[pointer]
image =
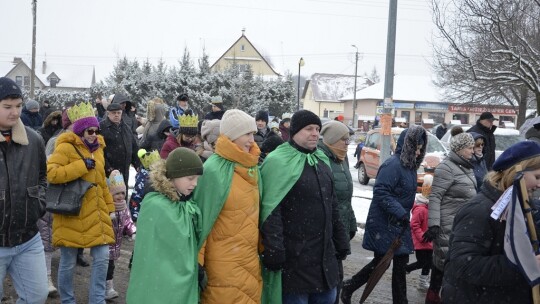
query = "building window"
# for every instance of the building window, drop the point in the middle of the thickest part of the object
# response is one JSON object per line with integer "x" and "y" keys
{"x": 418, "y": 118}
{"x": 26, "y": 81}
{"x": 19, "y": 80}
{"x": 406, "y": 115}
{"x": 242, "y": 47}
{"x": 436, "y": 116}
{"x": 463, "y": 118}
{"x": 53, "y": 81}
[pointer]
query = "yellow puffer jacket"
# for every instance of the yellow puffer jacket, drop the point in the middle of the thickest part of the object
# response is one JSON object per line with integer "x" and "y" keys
{"x": 93, "y": 226}
{"x": 231, "y": 254}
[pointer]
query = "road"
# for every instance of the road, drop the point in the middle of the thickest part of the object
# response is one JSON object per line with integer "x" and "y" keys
{"x": 359, "y": 257}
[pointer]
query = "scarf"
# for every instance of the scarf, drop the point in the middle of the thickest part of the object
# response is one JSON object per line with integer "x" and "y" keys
{"x": 7, "y": 135}
{"x": 338, "y": 152}
{"x": 120, "y": 206}
{"x": 91, "y": 146}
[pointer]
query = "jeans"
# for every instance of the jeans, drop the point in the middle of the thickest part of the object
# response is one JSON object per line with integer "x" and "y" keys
{"x": 325, "y": 297}
{"x": 100, "y": 262}
{"x": 25, "y": 264}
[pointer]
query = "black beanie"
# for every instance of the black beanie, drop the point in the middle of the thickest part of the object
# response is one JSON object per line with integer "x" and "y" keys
{"x": 302, "y": 118}
{"x": 271, "y": 143}
{"x": 183, "y": 97}
{"x": 262, "y": 115}
{"x": 8, "y": 87}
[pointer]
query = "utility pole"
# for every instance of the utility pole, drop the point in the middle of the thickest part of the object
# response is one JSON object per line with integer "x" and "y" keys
{"x": 33, "y": 76}
{"x": 388, "y": 103}
{"x": 300, "y": 64}
{"x": 354, "y": 120}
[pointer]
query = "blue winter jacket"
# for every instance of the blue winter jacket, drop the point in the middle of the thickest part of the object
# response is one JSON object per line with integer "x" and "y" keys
{"x": 393, "y": 195}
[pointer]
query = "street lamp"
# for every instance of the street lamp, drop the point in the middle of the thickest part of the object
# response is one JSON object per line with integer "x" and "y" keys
{"x": 300, "y": 64}
{"x": 355, "y": 121}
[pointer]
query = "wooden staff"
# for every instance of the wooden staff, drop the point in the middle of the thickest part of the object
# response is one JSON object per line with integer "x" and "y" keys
{"x": 526, "y": 207}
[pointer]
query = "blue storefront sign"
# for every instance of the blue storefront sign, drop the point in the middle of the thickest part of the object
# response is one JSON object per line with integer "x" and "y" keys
{"x": 431, "y": 106}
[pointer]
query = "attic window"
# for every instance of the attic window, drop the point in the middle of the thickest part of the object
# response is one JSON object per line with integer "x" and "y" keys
{"x": 242, "y": 48}
{"x": 53, "y": 81}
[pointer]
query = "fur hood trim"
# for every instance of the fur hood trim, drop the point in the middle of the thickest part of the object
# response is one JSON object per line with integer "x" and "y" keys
{"x": 406, "y": 146}
{"x": 18, "y": 134}
{"x": 161, "y": 183}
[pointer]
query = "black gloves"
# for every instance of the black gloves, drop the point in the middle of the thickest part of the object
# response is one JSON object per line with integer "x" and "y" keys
{"x": 203, "y": 279}
{"x": 405, "y": 220}
{"x": 273, "y": 261}
{"x": 89, "y": 163}
{"x": 431, "y": 234}
{"x": 352, "y": 234}
{"x": 342, "y": 254}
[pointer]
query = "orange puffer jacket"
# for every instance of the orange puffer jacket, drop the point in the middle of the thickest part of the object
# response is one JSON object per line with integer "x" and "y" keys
{"x": 93, "y": 226}
{"x": 231, "y": 254}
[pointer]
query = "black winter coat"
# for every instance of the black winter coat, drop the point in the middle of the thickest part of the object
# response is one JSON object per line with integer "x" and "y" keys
{"x": 214, "y": 115}
{"x": 477, "y": 270}
{"x": 31, "y": 119}
{"x": 23, "y": 180}
{"x": 121, "y": 148}
{"x": 304, "y": 230}
{"x": 259, "y": 137}
{"x": 489, "y": 142}
{"x": 155, "y": 140}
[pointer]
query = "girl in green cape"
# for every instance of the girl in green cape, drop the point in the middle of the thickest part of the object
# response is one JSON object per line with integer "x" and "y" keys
{"x": 165, "y": 268}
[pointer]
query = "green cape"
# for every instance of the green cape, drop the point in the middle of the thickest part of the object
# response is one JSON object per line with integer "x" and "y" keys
{"x": 165, "y": 256}
{"x": 275, "y": 186}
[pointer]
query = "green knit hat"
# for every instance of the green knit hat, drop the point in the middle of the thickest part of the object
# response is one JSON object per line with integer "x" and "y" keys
{"x": 183, "y": 162}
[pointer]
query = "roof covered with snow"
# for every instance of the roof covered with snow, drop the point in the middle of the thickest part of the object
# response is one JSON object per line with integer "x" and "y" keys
{"x": 406, "y": 88}
{"x": 71, "y": 76}
{"x": 332, "y": 87}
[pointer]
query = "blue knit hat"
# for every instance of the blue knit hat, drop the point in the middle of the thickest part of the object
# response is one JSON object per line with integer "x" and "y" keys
{"x": 516, "y": 153}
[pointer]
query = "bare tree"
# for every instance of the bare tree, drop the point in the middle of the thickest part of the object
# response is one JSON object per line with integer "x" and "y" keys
{"x": 488, "y": 51}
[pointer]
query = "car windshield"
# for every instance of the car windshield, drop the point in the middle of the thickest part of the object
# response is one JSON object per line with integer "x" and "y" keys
{"x": 434, "y": 145}
{"x": 504, "y": 142}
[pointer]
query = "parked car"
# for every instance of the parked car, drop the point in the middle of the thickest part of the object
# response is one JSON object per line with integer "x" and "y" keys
{"x": 370, "y": 155}
{"x": 504, "y": 138}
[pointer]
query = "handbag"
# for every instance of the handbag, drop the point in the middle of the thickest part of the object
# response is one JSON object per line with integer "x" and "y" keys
{"x": 66, "y": 198}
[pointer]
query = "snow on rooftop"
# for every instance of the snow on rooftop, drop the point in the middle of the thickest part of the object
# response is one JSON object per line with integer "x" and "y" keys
{"x": 406, "y": 88}
{"x": 332, "y": 87}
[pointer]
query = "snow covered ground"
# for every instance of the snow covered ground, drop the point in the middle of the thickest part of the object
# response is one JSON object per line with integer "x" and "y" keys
{"x": 361, "y": 194}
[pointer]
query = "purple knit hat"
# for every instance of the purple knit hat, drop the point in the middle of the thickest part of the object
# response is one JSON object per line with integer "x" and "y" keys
{"x": 84, "y": 123}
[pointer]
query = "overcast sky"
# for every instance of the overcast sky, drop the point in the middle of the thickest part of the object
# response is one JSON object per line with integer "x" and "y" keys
{"x": 97, "y": 32}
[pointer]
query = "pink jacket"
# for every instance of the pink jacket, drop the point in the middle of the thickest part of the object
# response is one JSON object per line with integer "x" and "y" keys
{"x": 419, "y": 225}
{"x": 121, "y": 225}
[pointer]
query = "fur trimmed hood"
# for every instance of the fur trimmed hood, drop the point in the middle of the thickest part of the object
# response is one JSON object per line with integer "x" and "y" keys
{"x": 406, "y": 146}
{"x": 18, "y": 134}
{"x": 161, "y": 183}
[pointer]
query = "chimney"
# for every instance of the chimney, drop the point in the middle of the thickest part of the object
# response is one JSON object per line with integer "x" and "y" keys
{"x": 44, "y": 67}
{"x": 17, "y": 60}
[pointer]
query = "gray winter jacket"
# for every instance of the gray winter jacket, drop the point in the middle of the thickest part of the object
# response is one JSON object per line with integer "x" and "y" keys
{"x": 453, "y": 185}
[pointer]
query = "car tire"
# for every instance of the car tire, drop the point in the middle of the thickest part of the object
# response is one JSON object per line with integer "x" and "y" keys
{"x": 362, "y": 175}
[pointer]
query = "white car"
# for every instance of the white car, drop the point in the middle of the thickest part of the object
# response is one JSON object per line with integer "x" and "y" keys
{"x": 504, "y": 138}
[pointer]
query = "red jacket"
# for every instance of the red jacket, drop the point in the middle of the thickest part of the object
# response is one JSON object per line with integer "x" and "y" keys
{"x": 419, "y": 225}
{"x": 170, "y": 144}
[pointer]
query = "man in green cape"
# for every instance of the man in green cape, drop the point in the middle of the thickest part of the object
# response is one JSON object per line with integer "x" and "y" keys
{"x": 302, "y": 234}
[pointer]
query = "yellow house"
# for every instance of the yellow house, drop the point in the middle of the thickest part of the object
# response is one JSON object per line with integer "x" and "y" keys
{"x": 243, "y": 53}
{"x": 323, "y": 92}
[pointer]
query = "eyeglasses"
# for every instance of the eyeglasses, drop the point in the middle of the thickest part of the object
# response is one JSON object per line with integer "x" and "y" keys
{"x": 92, "y": 131}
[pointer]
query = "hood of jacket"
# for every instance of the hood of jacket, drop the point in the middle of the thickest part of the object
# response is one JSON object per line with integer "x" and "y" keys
{"x": 121, "y": 98}
{"x": 484, "y": 129}
{"x": 164, "y": 124}
{"x": 161, "y": 183}
{"x": 533, "y": 134}
{"x": 406, "y": 146}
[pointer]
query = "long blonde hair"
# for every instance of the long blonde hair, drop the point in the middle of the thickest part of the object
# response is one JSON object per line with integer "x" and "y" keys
{"x": 501, "y": 180}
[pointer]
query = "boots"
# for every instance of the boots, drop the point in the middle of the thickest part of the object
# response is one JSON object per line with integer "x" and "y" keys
{"x": 52, "y": 289}
{"x": 346, "y": 292}
{"x": 423, "y": 282}
{"x": 110, "y": 293}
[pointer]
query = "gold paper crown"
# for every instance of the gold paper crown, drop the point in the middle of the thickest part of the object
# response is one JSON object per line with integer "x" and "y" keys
{"x": 81, "y": 110}
{"x": 188, "y": 121}
{"x": 148, "y": 158}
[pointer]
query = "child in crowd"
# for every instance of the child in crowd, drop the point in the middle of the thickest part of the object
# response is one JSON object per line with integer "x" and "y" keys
{"x": 122, "y": 224}
{"x": 165, "y": 268}
{"x": 141, "y": 184}
{"x": 419, "y": 225}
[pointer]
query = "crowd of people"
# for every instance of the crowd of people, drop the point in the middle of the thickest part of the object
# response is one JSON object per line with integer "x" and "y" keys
{"x": 215, "y": 219}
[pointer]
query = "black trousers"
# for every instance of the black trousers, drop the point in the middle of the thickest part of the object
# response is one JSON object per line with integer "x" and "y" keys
{"x": 110, "y": 270}
{"x": 435, "y": 284}
{"x": 424, "y": 259}
{"x": 399, "y": 280}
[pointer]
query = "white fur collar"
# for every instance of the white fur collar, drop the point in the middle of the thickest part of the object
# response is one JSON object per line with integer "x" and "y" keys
{"x": 18, "y": 134}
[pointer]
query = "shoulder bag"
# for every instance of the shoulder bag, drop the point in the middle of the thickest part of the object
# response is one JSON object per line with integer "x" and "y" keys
{"x": 66, "y": 198}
